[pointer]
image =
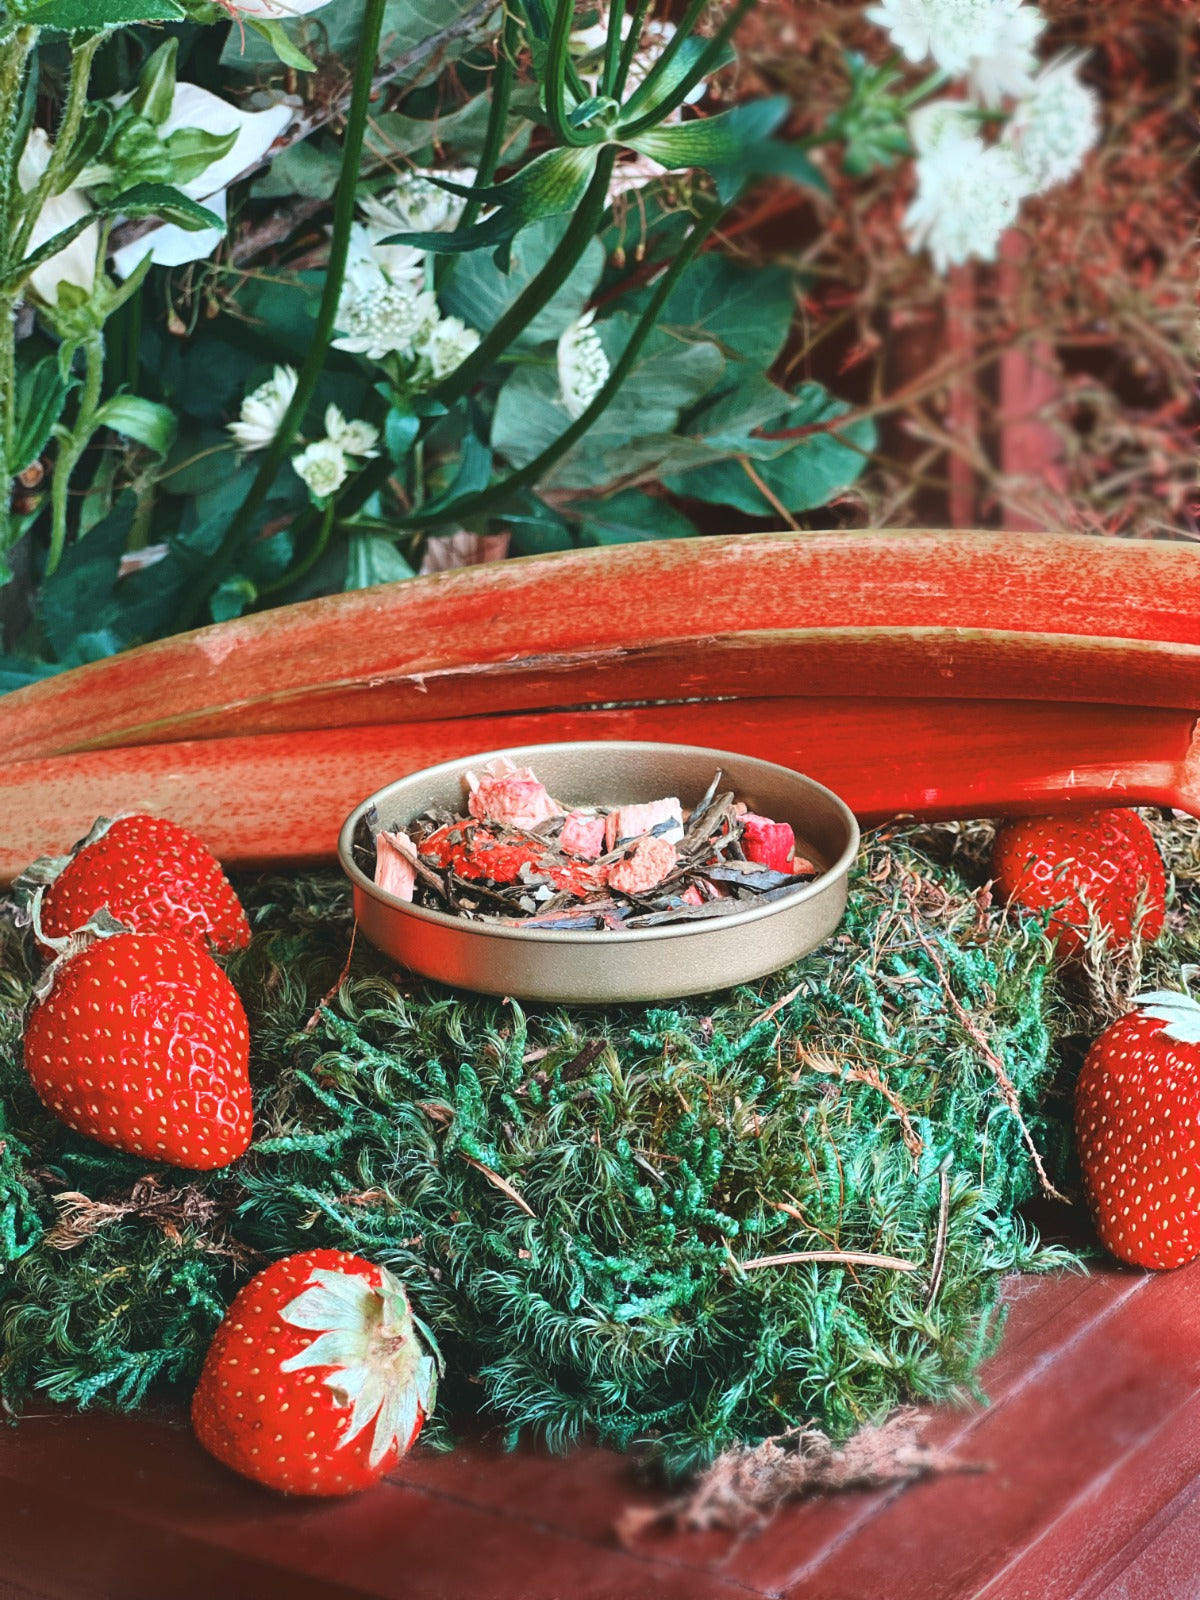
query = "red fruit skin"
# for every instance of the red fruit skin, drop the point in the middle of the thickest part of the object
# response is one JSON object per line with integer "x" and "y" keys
{"x": 154, "y": 876}
{"x": 142, "y": 1044}
{"x": 1137, "y": 1123}
{"x": 282, "y": 1428}
{"x": 1112, "y": 860}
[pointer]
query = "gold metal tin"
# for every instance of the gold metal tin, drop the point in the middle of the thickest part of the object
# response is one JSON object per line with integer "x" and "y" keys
{"x": 599, "y": 967}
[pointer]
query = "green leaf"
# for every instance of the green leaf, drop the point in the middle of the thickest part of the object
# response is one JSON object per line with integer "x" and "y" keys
{"x": 651, "y": 92}
{"x": 399, "y": 433}
{"x": 630, "y": 517}
{"x": 76, "y": 599}
{"x": 282, "y": 44}
{"x": 746, "y": 310}
{"x": 474, "y": 473}
{"x": 231, "y": 598}
{"x": 477, "y": 291}
{"x": 534, "y": 528}
{"x": 550, "y": 185}
{"x": 41, "y": 395}
{"x": 802, "y": 469}
{"x": 336, "y": 29}
{"x": 95, "y": 16}
{"x": 372, "y": 559}
{"x": 733, "y": 146}
{"x": 669, "y": 375}
{"x": 144, "y": 421}
{"x": 163, "y": 201}
{"x": 155, "y": 92}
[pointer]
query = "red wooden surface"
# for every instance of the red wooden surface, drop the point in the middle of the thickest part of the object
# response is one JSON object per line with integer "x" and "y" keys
{"x": 1091, "y": 1444}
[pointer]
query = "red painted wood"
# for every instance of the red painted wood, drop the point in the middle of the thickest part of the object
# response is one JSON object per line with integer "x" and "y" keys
{"x": 931, "y": 614}
{"x": 282, "y": 797}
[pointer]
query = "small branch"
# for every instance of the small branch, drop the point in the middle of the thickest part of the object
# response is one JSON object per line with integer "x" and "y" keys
{"x": 849, "y": 1258}
{"x": 501, "y": 1183}
{"x": 939, "y": 1245}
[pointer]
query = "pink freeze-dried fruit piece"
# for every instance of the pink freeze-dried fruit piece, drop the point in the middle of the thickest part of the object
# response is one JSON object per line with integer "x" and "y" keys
{"x": 649, "y": 862}
{"x": 769, "y": 844}
{"x": 691, "y": 896}
{"x": 582, "y": 835}
{"x": 514, "y": 797}
{"x": 394, "y": 872}
{"x": 631, "y": 822}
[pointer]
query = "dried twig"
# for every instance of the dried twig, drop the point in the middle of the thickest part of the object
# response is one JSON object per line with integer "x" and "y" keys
{"x": 849, "y": 1258}
{"x": 939, "y": 1243}
{"x": 501, "y": 1184}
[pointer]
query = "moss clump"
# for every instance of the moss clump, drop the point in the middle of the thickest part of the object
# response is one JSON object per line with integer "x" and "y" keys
{"x": 581, "y": 1201}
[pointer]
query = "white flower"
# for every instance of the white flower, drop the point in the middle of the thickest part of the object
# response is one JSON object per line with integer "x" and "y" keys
{"x": 323, "y": 467}
{"x": 967, "y": 195}
{"x": 1054, "y": 128}
{"x": 170, "y": 245}
{"x": 988, "y": 41}
{"x": 388, "y": 319}
{"x": 77, "y": 262}
{"x": 278, "y": 9}
{"x": 370, "y": 264}
{"x": 448, "y": 346}
{"x": 264, "y": 410}
{"x": 583, "y": 367}
{"x": 415, "y": 205}
{"x": 356, "y": 438}
{"x": 939, "y": 123}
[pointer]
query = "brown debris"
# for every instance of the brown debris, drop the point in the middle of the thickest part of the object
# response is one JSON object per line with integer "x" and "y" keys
{"x": 173, "y": 1211}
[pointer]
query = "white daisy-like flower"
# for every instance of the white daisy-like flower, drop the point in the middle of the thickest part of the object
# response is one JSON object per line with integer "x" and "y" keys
{"x": 357, "y": 438}
{"x": 324, "y": 468}
{"x": 415, "y": 205}
{"x": 389, "y": 319}
{"x": 447, "y": 346}
{"x": 1053, "y": 129}
{"x": 968, "y": 193}
{"x": 264, "y": 410}
{"x": 583, "y": 367}
{"x": 989, "y": 42}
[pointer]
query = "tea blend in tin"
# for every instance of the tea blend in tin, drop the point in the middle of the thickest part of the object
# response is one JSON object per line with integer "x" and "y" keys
{"x": 518, "y": 858}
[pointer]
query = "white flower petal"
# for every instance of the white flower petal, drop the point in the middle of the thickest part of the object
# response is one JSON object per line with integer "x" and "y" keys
{"x": 257, "y": 131}
{"x": 169, "y": 245}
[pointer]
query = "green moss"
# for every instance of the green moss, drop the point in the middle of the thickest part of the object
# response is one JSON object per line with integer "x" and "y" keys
{"x": 574, "y": 1197}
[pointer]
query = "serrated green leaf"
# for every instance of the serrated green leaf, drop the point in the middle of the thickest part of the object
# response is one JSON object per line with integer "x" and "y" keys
{"x": 95, "y": 16}
{"x": 163, "y": 201}
{"x": 630, "y": 517}
{"x": 477, "y": 291}
{"x": 41, "y": 395}
{"x": 746, "y": 310}
{"x": 144, "y": 421}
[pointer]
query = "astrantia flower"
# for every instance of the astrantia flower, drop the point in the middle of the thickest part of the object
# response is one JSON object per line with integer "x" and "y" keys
{"x": 939, "y": 123}
{"x": 583, "y": 367}
{"x": 967, "y": 195}
{"x": 389, "y": 319}
{"x": 449, "y": 344}
{"x": 988, "y": 41}
{"x": 76, "y": 264}
{"x": 1055, "y": 127}
{"x": 415, "y": 205}
{"x": 264, "y": 410}
{"x": 323, "y": 467}
{"x": 357, "y": 438}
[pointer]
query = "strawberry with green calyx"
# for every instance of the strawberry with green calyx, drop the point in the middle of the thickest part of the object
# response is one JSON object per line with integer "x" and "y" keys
{"x": 1137, "y": 1124}
{"x": 151, "y": 874}
{"x": 320, "y": 1377}
{"x": 139, "y": 1040}
{"x": 1084, "y": 865}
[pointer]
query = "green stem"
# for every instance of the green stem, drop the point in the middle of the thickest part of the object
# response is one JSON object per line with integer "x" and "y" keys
{"x": 14, "y": 58}
{"x": 931, "y": 85}
{"x": 82, "y": 56}
{"x": 303, "y": 568}
{"x": 556, "y": 71}
{"x": 314, "y": 364}
{"x": 497, "y": 125}
{"x": 612, "y": 47}
{"x": 486, "y": 500}
{"x": 703, "y": 65}
{"x": 74, "y": 444}
{"x": 629, "y": 49}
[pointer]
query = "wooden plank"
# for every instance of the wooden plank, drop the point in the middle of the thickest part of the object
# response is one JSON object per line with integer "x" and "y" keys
{"x": 984, "y": 614}
{"x": 281, "y": 798}
{"x": 159, "y": 1518}
{"x": 1078, "y": 1417}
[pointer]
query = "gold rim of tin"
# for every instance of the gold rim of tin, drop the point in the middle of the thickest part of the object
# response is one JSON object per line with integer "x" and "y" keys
{"x": 603, "y": 936}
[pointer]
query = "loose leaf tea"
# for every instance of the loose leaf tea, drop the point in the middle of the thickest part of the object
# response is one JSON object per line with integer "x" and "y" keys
{"x": 520, "y": 858}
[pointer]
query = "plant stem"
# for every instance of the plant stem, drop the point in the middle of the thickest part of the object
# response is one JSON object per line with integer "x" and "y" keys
{"x": 218, "y": 567}
{"x": 82, "y": 56}
{"x": 629, "y": 49}
{"x": 475, "y": 505}
{"x": 700, "y": 68}
{"x": 73, "y": 444}
{"x": 305, "y": 566}
{"x": 554, "y": 88}
{"x": 493, "y": 139}
{"x": 14, "y": 58}
{"x": 612, "y": 47}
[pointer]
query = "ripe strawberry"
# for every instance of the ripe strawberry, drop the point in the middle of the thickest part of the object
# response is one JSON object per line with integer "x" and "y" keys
{"x": 312, "y": 1352}
{"x": 141, "y": 1043}
{"x": 1101, "y": 861}
{"x": 152, "y": 875}
{"x": 1137, "y": 1118}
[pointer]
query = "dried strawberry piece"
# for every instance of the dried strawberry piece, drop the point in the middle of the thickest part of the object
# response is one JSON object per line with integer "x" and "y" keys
{"x": 631, "y": 822}
{"x": 393, "y": 869}
{"x": 649, "y": 862}
{"x": 582, "y": 835}
{"x": 512, "y": 796}
{"x": 691, "y": 896}
{"x": 770, "y": 844}
{"x": 576, "y": 879}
